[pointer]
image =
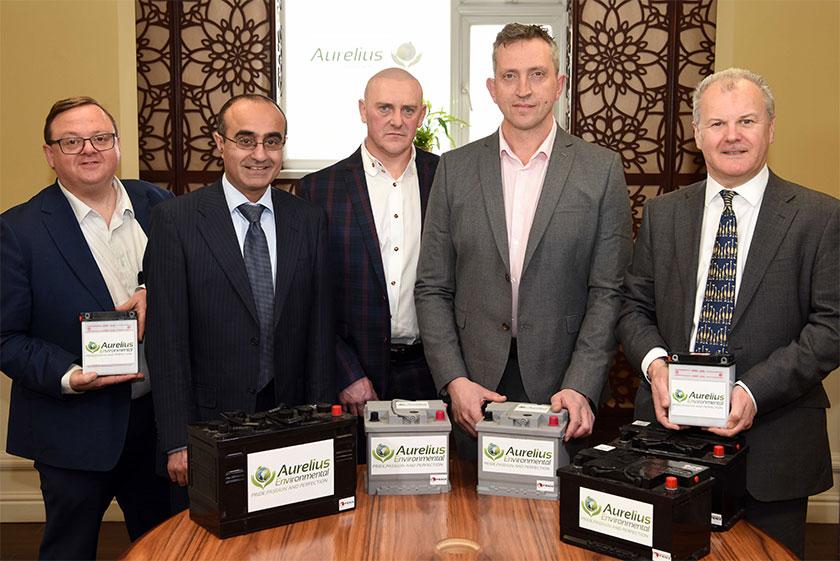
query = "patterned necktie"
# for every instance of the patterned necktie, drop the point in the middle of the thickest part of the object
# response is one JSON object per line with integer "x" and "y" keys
{"x": 258, "y": 265}
{"x": 719, "y": 298}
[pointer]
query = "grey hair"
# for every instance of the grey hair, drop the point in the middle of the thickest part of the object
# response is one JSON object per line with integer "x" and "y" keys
{"x": 730, "y": 77}
{"x": 514, "y": 32}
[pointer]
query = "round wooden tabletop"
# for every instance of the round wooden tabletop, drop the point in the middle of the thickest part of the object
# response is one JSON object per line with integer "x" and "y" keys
{"x": 460, "y": 525}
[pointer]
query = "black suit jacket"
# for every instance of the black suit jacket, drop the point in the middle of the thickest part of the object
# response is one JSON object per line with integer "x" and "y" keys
{"x": 363, "y": 317}
{"x": 785, "y": 331}
{"x": 49, "y": 276}
{"x": 203, "y": 328}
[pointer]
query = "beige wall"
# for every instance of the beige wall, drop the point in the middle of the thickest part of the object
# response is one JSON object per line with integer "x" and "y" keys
{"x": 51, "y": 50}
{"x": 795, "y": 45}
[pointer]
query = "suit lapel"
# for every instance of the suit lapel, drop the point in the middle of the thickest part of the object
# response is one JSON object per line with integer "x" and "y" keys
{"x": 425, "y": 177}
{"x": 356, "y": 185}
{"x": 559, "y": 166}
{"x": 774, "y": 219}
{"x": 287, "y": 226}
{"x": 217, "y": 228}
{"x": 67, "y": 235}
{"x": 490, "y": 178}
{"x": 140, "y": 205}
{"x": 688, "y": 220}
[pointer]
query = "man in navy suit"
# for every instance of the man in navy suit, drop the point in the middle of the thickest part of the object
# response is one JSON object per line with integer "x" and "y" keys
{"x": 77, "y": 246}
{"x": 375, "y": 200}
{"x": 239, "y": 306}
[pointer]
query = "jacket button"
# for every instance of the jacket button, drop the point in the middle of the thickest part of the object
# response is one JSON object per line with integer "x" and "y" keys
{"x": 505, "y": 327}
{"x": 507, "y": 277}
{"x": 255, "y": 341}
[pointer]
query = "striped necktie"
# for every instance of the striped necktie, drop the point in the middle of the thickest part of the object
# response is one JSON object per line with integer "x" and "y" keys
{"x": 719, "y": 297}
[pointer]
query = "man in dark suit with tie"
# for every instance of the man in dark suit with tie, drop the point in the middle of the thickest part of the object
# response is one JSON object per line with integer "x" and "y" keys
{"x": 745, "y": 263}
{"x": 375, "y": 200}
{"x": 77, "y": 246}
{"x": 239, "y": 305}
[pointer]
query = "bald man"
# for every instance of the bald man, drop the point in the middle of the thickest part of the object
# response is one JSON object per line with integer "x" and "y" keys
{"x": 375, "y": 201}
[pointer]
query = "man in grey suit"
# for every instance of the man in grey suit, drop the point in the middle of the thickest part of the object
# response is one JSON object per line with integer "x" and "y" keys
{"x": 526, "y": 238}
{"x": 784, "y": 328}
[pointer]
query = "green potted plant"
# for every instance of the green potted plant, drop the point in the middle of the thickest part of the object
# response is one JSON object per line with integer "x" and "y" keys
{"x": 435, "y": 122}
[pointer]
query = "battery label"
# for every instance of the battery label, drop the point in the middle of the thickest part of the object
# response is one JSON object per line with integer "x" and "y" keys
{"x": 290, "y": 475}
{"x": 390, "y": 455}
{"x": 531, "y": 408}
{"x": 616, "y": 516}
{"x": 695, "y": 398}
{"x": 517, "y": 456}
{"x": 400, "y": 405}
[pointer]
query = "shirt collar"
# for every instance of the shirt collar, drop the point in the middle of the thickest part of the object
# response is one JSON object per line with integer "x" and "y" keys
{"x": 81, "y": 209}
{"x": 374, "y": 167}
{"x": 752, "y": 191}
{"x": 545, "y": 148}
{"x": 234, "y": 197}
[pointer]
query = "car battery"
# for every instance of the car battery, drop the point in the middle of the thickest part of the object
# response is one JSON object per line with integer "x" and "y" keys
{"x": 407, "y": 447}
{"x": 634, "y": 506}
{"x": 520, "y": 447}
{"x": 725, "y": 457}
{"x": 250, "y": 472}
{"x": 699, "y": 386}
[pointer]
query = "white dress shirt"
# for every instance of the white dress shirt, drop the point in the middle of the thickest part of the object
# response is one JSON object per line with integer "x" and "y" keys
{"x": 746, "y": 205}
{"x": 235, "y": 198}
{"x": 395, "y": 203}
{"x": 118, "y": 250}
{"x": 521, "y": 187}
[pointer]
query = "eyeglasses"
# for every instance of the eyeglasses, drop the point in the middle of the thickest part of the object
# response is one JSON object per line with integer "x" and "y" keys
{"x": 271, "y": 144}
{"x": 72, "y": 145}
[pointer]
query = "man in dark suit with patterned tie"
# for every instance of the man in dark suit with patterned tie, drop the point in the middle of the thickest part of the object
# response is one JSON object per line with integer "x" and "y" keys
{"x": 239, "y": 305}
{"x": 375, "y": 200}
{"x": 745, "y": 263}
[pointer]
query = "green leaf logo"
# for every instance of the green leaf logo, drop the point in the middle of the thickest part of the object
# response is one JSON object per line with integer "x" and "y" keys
{"x": 262, "y": 477}
{"x": 679, "y": 395}
{"x": 590, "y": 506}
{"x": 92, "y": 346}
{"x": 383, "y": 453}
{"x": 493, "y": 452}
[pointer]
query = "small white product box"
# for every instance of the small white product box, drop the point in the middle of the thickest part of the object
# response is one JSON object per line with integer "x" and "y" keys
{"x": 109, "y": 342}
{"x": 699, "y": 386}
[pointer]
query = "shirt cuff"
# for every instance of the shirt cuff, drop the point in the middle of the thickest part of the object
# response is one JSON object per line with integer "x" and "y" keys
{"x": 749, "y": 393}
{"x": 653, "y": 354}
{"x": 176, "y": 450}
{"x": 65, "y": 381}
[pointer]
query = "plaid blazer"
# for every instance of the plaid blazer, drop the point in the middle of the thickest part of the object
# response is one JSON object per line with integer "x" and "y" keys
{"x": 363, "y": 324}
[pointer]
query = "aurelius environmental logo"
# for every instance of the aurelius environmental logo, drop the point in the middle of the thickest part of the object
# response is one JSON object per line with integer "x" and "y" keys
{"x": 406, "y": 55}
{"x": 590, "y": 506}
{"x": 382, "y": 453}
{"x": 262, "y": 477}
{"x": 493, "y": 452}
{"x": 679, "y": 395}
{"x": 92, "y": 346}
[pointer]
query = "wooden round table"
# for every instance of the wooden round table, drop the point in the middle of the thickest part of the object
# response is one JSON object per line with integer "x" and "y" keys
{"x": 460, "y": 525}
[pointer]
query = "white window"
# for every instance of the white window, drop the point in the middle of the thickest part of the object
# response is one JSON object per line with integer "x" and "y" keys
{"x": 330, "y": 49}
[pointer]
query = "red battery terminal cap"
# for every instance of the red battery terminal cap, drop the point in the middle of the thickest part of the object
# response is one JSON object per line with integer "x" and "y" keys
{"x": 553, "y": 421}
{"x": 718, "y": 451}
{"x": 439, "y": 415}
{"x": 671, "y": 483}
{"x": 336, "y": 411}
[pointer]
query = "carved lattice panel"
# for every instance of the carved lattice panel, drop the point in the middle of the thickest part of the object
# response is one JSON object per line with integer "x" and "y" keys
{"x": 193, "y": 55}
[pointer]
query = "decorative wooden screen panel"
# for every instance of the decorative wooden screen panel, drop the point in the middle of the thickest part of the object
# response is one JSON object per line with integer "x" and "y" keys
{"x": 193, "y": 55}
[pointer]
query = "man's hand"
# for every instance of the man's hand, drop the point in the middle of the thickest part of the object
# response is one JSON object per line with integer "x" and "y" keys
{"x": 356, "y": 395}
{"x": 741, "y": 414}
{"x": 137, "y": 302}
{"x": 176, "y": 467}
{"x": 467, "y": 399}
{"x": 581, "y": 418}
{"x": 87, "y": 381}
{"x": 658, "y": 374}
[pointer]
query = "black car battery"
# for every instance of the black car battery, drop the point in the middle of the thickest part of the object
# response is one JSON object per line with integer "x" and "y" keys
{"x": 250, "y": 472}
{"x": 725, "y": 457}
{"x": 633, "y": 506}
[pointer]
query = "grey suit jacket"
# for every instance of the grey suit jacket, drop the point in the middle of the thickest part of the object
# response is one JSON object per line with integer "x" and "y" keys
{"x": 569, "y": 294}
{"x": 784, "y": 331}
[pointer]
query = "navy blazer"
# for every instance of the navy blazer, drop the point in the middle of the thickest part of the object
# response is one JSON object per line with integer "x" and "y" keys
{"x": 363, "y": 317}
{"x": 49, "y": 276}
{"x": 203, "y": 329}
